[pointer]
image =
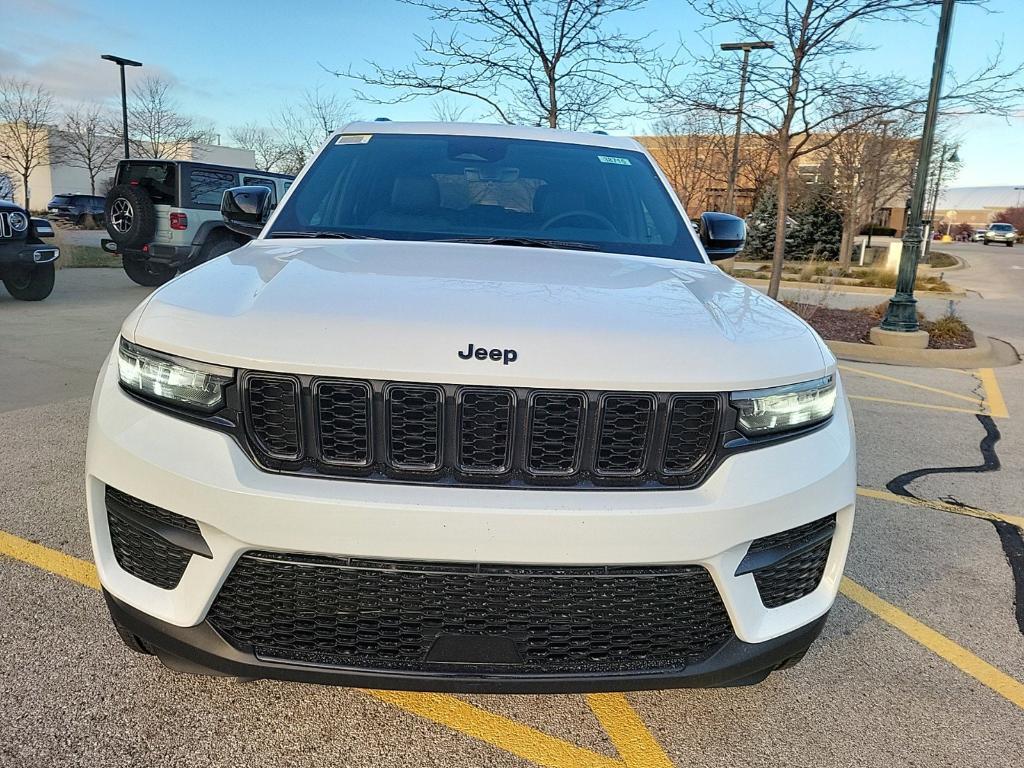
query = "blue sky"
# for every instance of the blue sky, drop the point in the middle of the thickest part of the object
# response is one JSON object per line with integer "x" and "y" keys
{"x": 245, "y": 60}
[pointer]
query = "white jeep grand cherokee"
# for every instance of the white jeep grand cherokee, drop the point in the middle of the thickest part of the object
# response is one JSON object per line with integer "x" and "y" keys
{"x": 474, "y": 412}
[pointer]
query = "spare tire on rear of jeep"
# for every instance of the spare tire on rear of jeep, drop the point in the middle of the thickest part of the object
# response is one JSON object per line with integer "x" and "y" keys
{"x": 130, "y": 216}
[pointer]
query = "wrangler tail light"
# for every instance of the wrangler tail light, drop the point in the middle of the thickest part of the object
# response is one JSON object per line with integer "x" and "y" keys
{"x": 179, "y": 221}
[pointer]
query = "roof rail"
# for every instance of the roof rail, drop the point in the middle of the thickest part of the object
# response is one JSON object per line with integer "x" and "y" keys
{"x": 382, "y": 119}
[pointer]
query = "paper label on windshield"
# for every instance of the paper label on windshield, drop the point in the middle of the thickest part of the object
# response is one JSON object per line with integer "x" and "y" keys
{"x": 614, "y": 160}
{"x": 354, "y": 138}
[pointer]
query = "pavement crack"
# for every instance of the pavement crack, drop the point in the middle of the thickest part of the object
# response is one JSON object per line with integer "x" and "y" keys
{"x": 1010, "y": 536}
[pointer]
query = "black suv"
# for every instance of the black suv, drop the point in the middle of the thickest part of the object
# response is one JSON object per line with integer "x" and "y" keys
{"x": 26, "y": 262}
{"x": 76, "y": 208}
{"x": 163, "y": 216}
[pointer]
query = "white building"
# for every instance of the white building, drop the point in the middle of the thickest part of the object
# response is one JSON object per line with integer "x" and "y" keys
{"x": 63, "y": 178}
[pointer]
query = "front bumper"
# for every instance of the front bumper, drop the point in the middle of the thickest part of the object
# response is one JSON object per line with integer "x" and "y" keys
{"x": 202, "y": 650}
{"x": 22, "y": 254}
{"x": 204, "y": 475}
{"x": 157, "y": 253}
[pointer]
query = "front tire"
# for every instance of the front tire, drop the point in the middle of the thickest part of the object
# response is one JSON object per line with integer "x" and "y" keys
{"x": 213, "y": 249}
{"x": 31, "y": 284}
{"x": 147, "y": 274}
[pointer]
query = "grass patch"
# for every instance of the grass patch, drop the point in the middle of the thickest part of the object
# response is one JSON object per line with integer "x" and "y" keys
{"x": 72, "y": 256}
{"x": 940, "y": 260}
{"x": 879, "y": 278}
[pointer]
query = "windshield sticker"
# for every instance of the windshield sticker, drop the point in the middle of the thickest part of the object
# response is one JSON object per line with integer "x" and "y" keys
{"x": 613, "y": 160}
{"x": 354, "y": 138}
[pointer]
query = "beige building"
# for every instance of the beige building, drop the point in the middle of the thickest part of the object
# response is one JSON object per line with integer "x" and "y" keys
{"x": 64, "y": 178}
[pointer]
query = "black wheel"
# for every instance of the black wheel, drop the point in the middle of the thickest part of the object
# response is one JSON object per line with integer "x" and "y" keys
{"x": 80, "y": 220}
{"x": 130, "y": 216}
{"x": 213, "y": 248}
{"x": 31, "y": 283}
{"x": 132, "y": 641}
{"x": 146, "y": 273}
{"x": 1009, "y": 244}
{"x": 986, "y": 242}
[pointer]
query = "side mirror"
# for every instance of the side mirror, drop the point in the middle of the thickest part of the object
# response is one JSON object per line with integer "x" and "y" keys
{"x": 722, "y": 235}
{"x": 246, "y": 209}
{"x": 42, "y": 228}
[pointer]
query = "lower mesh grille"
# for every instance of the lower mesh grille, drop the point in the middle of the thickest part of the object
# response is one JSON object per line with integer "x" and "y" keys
{"x": 389, "y": 614}
{"x": 144, "y": 554}
{"x": 795, "y": 577}
{"x": 140, "y": 551}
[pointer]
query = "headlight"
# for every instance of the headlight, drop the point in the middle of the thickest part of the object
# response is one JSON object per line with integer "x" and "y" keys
{"x": 185, "y": 383}
{"x": 776, "y": 409}
{"x": 19, "y": 221}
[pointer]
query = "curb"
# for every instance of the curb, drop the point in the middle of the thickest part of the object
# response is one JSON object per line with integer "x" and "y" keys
{"x": 839, "y": 288}
{"x": 989, "y": 353}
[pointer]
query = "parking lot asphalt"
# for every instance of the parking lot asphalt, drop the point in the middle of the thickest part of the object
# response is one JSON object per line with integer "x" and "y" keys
{"x": 921, "y": 662}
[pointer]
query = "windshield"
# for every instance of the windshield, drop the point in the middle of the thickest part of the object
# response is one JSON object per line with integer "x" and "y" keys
{"x": 424, "y": 187}
{"x": 1001, "y": 227}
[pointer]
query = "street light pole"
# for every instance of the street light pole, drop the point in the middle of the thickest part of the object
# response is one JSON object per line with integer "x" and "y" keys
{"x": 953, "y": 158}
{"x": 122, "y": 63}
{"x": 734, "y": 165}
{"x": 878, "y": 175}
{"x": 901, "y": 315}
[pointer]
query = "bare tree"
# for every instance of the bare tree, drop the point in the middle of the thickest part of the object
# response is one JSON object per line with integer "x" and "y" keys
{"x": 26, "y": 117}
{"x": 693, "y": 150}
{"x": 87, "y": 142}
{"x": 266, "y": 146}
{"x": 303, "y": 126}
{"x": 6, "y": 187}
{"x": 874, "y": 163}
{"x": 447, "y": 110}
{"x": 541, "y": 62}
{"x": 805, "y": 93}
{"x": 156, "y": 126}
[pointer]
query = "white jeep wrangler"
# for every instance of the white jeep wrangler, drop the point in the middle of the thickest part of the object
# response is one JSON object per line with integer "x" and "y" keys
{"x": 163, "y": 216}
{"x": 473, "y": 412}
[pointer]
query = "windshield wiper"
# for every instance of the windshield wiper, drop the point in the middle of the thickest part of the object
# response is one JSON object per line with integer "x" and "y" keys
{"x": 530, "y": 242}
{"x": 326, "y": 235}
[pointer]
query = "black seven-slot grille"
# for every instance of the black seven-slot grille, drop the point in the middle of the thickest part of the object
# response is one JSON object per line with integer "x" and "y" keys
{"x": 487, "y": 435}
{"x": 401, "y": 615}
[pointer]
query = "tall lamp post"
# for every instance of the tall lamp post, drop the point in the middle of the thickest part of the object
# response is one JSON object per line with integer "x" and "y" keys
{"x": 753, "y": 45}
{"x": 122, "y": 63}
{"x": 1018, "y": 190}
{"x": 945, "y": 156}
{"x": 878, "y": 175}
{"x": 901, "y": 315}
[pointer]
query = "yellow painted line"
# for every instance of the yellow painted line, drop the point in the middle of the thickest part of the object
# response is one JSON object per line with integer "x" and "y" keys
{"x": 914, "y": 384}
{"x": 941, "y": 506}
{"x": 634, "y": 743}
{"x": 993, "y": 395}
{"x": 1009, "y": 688}
{"x": 908, "y": 403}
{"x": 521, "y": 740}
{"x": 80, "y": 571}
{"x": 624, "y": 727}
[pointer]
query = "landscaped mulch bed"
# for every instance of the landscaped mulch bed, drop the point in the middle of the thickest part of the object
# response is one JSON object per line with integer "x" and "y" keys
{"x": 854, "y": 325}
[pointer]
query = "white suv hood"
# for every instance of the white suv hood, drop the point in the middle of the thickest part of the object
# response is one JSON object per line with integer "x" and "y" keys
{"x": 403, "y": 311}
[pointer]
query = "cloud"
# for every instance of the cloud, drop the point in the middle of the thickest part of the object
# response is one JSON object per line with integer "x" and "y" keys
{"x": 73, "y": 72}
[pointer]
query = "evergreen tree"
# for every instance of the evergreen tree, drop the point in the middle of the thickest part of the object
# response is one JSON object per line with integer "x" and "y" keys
{"x": 818, "y": 231}
{"x": 761, "y": 226}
